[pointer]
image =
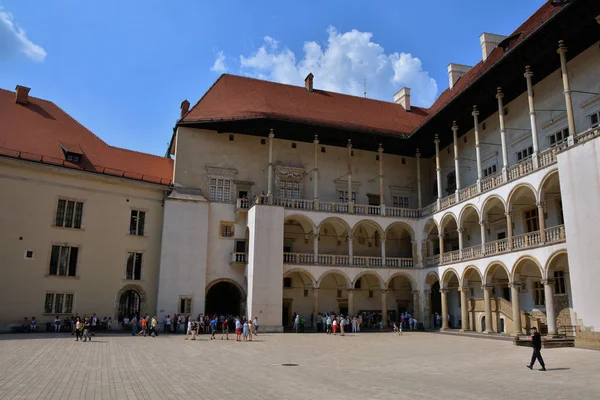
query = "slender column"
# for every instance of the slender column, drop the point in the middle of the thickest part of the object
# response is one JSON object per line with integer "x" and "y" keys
{"x": 316, "y": 247}
{"x": 417, "y": 253}
{"x": 383, "y": 251}
{"x": 427, "y": 317}
{"x": 350, "y": 248}
{"x": 416, "y": 306}
{"x": 456, "y": 166}
{"x": 270, "y": 173}
{"x": 482, "y": 228}
{"x": 562, "y": 50}
{"x": 438, "y": 169}
{"x": 350, "y": 205}
{"x": 384, "y": 307}
{"x": 444, "y": 295}
{"x": 515, "y": 288}
{"x": 509, "y": 231}
{"x": 316, "y": 173}
{"x": 419, "y": 202}
{"x": 542, "y": 221}
{"x": 464, "y": 308}
{"x": 550, "y": 317}
{"x": 351, "y": 302}
{"x": 499, "y": 96}
{"x": 424, "y": 252}
{"x": 534, "y": 135}
{"x": 315, "y": 307}
{"x": 487, "y": 303}
{"x": 441, "y": 236}
{"x": 461, "y": 234}
{"x": 381, "y": 198}
{"x": 475, "y": 115}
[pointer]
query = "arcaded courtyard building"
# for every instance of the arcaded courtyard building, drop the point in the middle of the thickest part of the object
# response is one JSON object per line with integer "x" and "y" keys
{"x": 276, "y": 199}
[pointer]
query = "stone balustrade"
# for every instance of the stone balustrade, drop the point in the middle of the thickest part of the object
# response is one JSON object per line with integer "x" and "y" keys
{"x": 346, "y": 260}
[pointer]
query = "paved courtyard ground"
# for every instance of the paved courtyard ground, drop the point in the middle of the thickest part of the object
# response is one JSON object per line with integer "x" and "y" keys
{"x": 362, "y": 366}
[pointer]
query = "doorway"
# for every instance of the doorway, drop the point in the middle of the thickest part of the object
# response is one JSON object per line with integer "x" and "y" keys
{"x": 224, "y": 298}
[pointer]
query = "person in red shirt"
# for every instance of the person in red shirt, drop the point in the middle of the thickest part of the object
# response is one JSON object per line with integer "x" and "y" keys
{"x": 144, "y": 326}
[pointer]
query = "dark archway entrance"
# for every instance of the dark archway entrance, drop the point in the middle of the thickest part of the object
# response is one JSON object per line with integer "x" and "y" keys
{"x": 436, "y": 299}
{"x": 130, "y": 304}
{"x": 224, "y": 298}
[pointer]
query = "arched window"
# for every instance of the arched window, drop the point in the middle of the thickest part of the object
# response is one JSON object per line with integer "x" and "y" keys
{"x": 130, "y": 304}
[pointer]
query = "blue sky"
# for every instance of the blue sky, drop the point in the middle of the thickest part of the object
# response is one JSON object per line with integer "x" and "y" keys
{"x": 122, "y": 68}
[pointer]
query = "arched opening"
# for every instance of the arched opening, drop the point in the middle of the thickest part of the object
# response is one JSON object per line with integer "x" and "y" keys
{"x": 551, "y": 200}
{"x": 469, "y": 223}
{"x": 527, "y": 273}
{"x": 449, "y": 228}
{"x": 472, "y": 282}
{"x": 130, "y": 305}
{"x": 523, "y": 205}
{"x": 298, "y": 297}
{"x": 497, "y": 276}
{"x": 333, "y": 293}
{"x": 558, "y": 272}
{"x": 366, "y": 240}
{"x": 451, "y": 282}
{"x": 493, "y": 215}
{"x": 433, "y": 304}
{"x": 333, "y": 237}
{"x": 298, "y": 235}
{"x": 400, "y": 298}
{"x": 367, "y": 298}
{"x": 398, "y": 241}
{"x": 224, "y": 298}
{"x": 432, "y": 239}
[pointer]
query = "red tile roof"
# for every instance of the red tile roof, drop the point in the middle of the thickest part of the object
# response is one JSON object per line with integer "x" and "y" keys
{"x": 235, "y": 97}
{"x": 37, "y": 130}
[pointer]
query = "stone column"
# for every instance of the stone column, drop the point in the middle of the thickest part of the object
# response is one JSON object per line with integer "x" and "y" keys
{"x": 350, "y": 204}
{"x": 441, "y": 236}
{"x": 384, "y": 307}
{"x": 381, "y": 197}
{"x": 461, "y": 234}
{"x": 499, "y": 96}
{"x": 515, "y": 289}
{"x": 542, "y": 221}
{"x": 456, "y": 166}
{"x": 416, "y": 306}
{"x": 419, "y": 201}
{"x": 487, "y": 302}
{"x": 438, "y": 170}
{"x": 475, "y": 115}
{"x": 427, "y": 316}
{"x": 550, "y": 316}
{"x": 509, "y": 230}
{"x": 270, "y": 172}
{"x": 562, "y": 50}
{"x": 315, "y": 308}
{"x": 316, "y": 174}
{"x": 350, "y": 248}
{"x": 482, "y": 228}
{"x": 534, "y": 136}
{"x": 444, "y": 294}
{"x": 351, "y": 302}
{"x": 383, "y": 252}
{"x": 316, "y": 247}
{"x": 415, "y": 252}
{"x": 464, "y": 308}
{"x": 424, "y": 251}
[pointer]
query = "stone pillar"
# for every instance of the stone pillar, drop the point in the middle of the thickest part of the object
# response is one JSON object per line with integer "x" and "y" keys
{"x": 475, "y": 115}
{"x": 487, "y": 303}
{"x": 461, "y": 234}
{"x": 542, "y": 221}
{"x": 316, "y": 247}
{"x": 383, "y": 262}
{"x": 499, "y": 96}
{"x": 441, "y": 236}
{"x": 438, "y": 170}
{"x": 315, "y": 308}
{"x": 456, "y": 166}
{"x": 316, "y": 174}
{"x": 482, "y": 228}
{"x": 381, "y": 197}
{"x": 350, "y": 248}
{"x": 270, "y": 172}
{"x": 515, "y": 289}
{"x": 350, "y": 204}
{"x": 351, "y": 302}
{"x": 424, "y": 252}
{"x": 464, "y": 308}
{"x": 550, "y": 316}
{"x": 384, "y": 307}
{"x": 419, "y": 200}
{"x": 415, "y": 252}
{"x": 509, "y": 230}
{"x": 534, "y": 135}
{"x": 444, "y": 294}
{"x": 427, "y": 316}
{"x": 416, "y": 306}
{"x": 562, "y": 50}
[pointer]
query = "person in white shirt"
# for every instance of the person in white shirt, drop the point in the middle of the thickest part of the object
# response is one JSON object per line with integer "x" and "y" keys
{"x": 57, "y": 324}
{"x": 255, "y": 325}
{"x": 354, "y": 324}
{"x": 189, "y": 328}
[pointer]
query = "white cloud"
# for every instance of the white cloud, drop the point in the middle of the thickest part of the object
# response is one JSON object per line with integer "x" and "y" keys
{"x": 13, "y": 40}
{"x": 342, "y": 65}
{"x": 219, "y": 65}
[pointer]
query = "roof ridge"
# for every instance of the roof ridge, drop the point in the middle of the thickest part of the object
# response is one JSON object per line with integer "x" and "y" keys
{"x": 138, "y": 152}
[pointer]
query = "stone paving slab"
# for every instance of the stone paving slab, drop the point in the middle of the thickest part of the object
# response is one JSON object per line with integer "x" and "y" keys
{"x": 361, "y": 366}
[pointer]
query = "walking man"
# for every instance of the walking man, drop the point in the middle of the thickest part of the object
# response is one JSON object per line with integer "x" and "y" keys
{"x": 536, "y": 341}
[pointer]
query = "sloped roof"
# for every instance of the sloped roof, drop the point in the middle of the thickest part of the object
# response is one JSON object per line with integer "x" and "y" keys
{"x": 40, "y": 130}
{"x": 234, "y": 97}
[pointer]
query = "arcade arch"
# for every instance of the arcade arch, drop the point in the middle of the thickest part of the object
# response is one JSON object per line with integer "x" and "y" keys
{"x": 333, "y": 237}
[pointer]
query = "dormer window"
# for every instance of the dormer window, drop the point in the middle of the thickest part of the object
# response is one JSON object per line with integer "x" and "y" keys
{"x": 74, "y": 158}
{"x": 72, "y": 153}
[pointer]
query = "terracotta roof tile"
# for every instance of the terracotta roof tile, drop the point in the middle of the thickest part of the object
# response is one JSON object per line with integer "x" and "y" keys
{"x": 40, "y": 130}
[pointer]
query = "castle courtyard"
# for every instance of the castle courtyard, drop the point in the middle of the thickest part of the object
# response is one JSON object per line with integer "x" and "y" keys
{"x": 360, "y": 366}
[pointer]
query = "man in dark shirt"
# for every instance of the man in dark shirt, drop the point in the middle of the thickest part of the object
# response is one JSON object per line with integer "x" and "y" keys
{"x": 536, "y": 341}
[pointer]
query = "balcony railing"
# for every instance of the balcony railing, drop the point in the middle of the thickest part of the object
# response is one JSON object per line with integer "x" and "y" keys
{"x": 367, "y": 210}
{"x": 492, "y": 181}
{"x": 526, "y": 240}
{"x": 468, "y": 192}
{"x": 300, "y": 204}
{"x": 346, "y": 260}
{"x": 239, "y": 258}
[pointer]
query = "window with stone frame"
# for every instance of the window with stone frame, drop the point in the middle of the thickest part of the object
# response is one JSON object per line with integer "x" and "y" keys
{"x": 219, "y": 189}
{"x": 539, "y": 298}
{"x": 185, "y": 305}
{"x": 226, "y": 229}
{"x": 134, "y": 266}
{"x": 525, "y": 154}
{"x": 290, "y": 189}
{"x": 68, "y": 214}
{"x": 343, "y": 196}
{"x": 488, "y": 171}
{"x": 137, "y": 221}
{"x": 58, "y": 303}
{"x": 63, "y": 260}
{"x": 289, "y": 182}
{"x": 594, "y": 119}
{"x": 559, "y": 282}
{"x": 400, "y": 201}
{"x": 558, "y": 137}
{"x": 531, "y": 220}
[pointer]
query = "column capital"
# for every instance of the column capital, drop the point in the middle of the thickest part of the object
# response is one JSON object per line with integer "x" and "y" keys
{"x": 548, "y": 282}
{"x": 445, "y": 291}
{"x": 483, "y": 223}
{"x": 316, "y": 140}
{"x": 350, "y": 292}
{"x": 461, "y": 230}
{"x": 475, "y": 111}
{"x": 427, "y": 291}
{"x": 383, "y": 292}
{"x": 561, "y": 47}
{"x": 436, "y": 139}
{"x": 499, "y": 93}
{"x": 541, "y": 204}
{"x": 380, "y": 148}
{"x": 465, "y": 289}
{"x": 349, "y": 143}
{"x": 415, "y": 292}
{"x": 454, "y": 126}
{"x": 271, "y": 133}
{"x": 514, "y": 285}
{"x": 486, "y": 287}
{"x": 508, "y": 214}
{"x": 316, "y": 235}
{"x": 528, "y": 73}
{"x": 418, "y": 153}
{"x": 316, "y": 291}
{"x": 441, "y": 236}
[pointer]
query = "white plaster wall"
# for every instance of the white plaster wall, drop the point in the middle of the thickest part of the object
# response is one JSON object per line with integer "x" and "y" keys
{"x": 580, "y": 186}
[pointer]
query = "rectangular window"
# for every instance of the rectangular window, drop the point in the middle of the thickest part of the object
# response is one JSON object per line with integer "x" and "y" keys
{"x": 287, "y": 283}
{"x": 558, "y": 137}
{"x": 219, "y": 189}
{"x": 559, "y": 282}
{"x": 524, "y": 154}
{"x": 491, "y": 170}
{"x": 58, "y": 303}
{"x": 289, "y": 190}
{"x": 400, "y": 201}
{"x": 185, "y": 305}
{"x": 136, "y": 223}
{"x": 531, "y": 220}
{"x": 538, "y": 294}
{"x": 343, "y": 196}
{"x": 226, "y": 229}
{"x": 134, "y": 266}
{"x": 63, "y": 261}
{"x": 595, "y": 119}
{"x": 68, "y": 214}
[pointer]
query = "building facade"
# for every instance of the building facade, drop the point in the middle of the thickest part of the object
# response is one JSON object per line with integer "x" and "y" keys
{"x": 275, "y": 199}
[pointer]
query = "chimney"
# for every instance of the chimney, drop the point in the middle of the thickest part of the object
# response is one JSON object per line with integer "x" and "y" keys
{"x": 185, "y": 107}
{"x": 403, "y": 98}
{"x": 489, "y": 42}
{"x": 308, "y": 82}
{"x": 455, "y": 71}
{"x": 22, "y": 95}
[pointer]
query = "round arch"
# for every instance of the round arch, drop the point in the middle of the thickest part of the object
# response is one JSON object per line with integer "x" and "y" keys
{"x": 143, "y": 298}
{"x": 446, "y": 219}
{"x": 369, "y": 223}
{"x": 306, "y": 223}
{"x": 489, "y": 201}
{"x": 551, "y": 259}
{"x": 224, "y": 296}
{"x": 431, "y": 278}
{"x": 520, "y": 261}
{"x": 429, "y": 225}
{"x": 467, "y": 271}
{"x": 332, "y": 221}
{"x": 403, "y": 225}
{"x": 521, "y": 187}
{"x": 447, "y": 275}
{"x": 334, "y": 272}
{"x": 550, "y": 175}
{"x": 302, "y": 272}
{"x": 368, "y": 273}
{"x": 490, "y": 269}
{"x": 463, "y": 214}
{"x": 413, "y": 282}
